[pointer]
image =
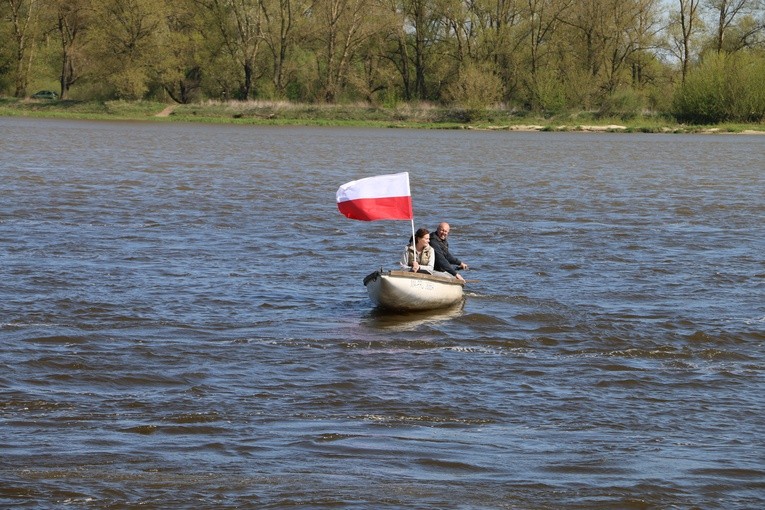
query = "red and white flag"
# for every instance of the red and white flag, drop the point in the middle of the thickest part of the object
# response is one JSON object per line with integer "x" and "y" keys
{"x": 383, "y": 197}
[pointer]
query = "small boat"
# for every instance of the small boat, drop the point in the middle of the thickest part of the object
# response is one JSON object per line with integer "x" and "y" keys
{"x": 408, "y": 291}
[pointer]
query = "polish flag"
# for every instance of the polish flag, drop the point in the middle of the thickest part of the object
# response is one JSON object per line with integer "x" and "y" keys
{"x": 383, "y": 197}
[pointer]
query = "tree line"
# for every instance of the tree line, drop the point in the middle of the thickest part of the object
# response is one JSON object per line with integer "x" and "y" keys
{"x": 617, "y": 57}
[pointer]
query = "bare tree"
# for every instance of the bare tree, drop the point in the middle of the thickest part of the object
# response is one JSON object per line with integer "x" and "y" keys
{"x": 684, "y": 26}
{"x": 420, "y": 31}
{"x": 544, "y": 19}
{"x": 503, "y": 39}
{"x": 345, "y": 26}
{"x": 240, "y": 26}
{"x": 726, "y": 13}
{"x": 23, "y": 17}
{"x": 71, "y": 16}
{"x": 633, "y": 24}
{"x": 280, "y": 17}
{"x": 399, "y": 55}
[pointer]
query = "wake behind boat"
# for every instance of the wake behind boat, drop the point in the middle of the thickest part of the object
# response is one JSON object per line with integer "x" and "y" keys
{"x": 408, "y": 291}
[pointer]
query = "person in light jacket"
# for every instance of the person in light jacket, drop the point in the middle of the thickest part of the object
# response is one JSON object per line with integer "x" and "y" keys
{"x": 420, "y": 257}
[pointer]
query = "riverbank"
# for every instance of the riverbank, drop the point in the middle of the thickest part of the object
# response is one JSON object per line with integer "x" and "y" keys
{"x": 405, "y": 115}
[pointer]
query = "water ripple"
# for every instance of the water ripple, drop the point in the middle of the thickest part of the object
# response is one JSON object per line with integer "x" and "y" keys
{"x": 184, "y": 323}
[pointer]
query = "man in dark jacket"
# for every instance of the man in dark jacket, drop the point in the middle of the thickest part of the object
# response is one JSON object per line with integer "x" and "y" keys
{"x": 445, "y": 261}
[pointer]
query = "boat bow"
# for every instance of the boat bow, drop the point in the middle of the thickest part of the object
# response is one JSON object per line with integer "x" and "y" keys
{"x": 405, "y": 290}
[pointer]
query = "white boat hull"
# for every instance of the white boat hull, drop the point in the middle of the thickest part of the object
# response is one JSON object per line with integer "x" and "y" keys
{"x": 407, "y": 291}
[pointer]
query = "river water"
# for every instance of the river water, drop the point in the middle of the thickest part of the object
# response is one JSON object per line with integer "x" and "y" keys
{"x": 184, "y": 325}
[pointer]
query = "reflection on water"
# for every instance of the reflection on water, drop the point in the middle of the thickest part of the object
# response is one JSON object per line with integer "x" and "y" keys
{"x": 408, "y": 321}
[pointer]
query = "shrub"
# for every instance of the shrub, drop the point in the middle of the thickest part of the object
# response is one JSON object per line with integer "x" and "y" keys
{"x": 547, "y": 93}
{"x": 724, "y": 88}
{"x": 129, "y": 83}
{"x": 626, "y": 105}
{"x": 475, "y": 89}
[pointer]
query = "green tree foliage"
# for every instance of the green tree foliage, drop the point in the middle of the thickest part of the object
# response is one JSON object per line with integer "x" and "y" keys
{"x": 178, "y": 71}
{"x": 235, "y": 41}
{"x": 610, "y": 57}
{"x": 475, "y": 89}
{"x": 734, "y": 27}
{"x": 342, "y": 29}
{"x": 70, "y": 19}
{"x": 128, "y": 39}
{"x": 724, "y": 87}
{"x": 283, "y": 21}
{"x": 19, "y": 36}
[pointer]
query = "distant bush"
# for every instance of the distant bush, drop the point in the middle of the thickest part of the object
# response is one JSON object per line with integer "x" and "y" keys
{"x": 546, "y": 93}
{"x": 625, "y": 105}
{"x": 475, "y": 90}
{"x": 723, "y": 88}
{"x": 129, "y": 83}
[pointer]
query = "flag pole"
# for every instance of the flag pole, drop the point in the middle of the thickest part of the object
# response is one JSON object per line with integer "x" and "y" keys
{"x": 414, "y": 241}
{"x": 414, "y": 244}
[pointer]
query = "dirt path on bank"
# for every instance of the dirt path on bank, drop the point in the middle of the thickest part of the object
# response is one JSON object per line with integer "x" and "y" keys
{"x": 167, "y": 111}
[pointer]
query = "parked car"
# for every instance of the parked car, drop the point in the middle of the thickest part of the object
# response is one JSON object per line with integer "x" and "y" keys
{"x": 45, "y": 94}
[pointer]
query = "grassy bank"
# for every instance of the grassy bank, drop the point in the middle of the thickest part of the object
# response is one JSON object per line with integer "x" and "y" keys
{"x": 359, "y": 115}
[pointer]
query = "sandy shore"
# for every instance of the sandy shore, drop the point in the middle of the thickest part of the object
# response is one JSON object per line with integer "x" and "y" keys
{"x": 610, "y": 128}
